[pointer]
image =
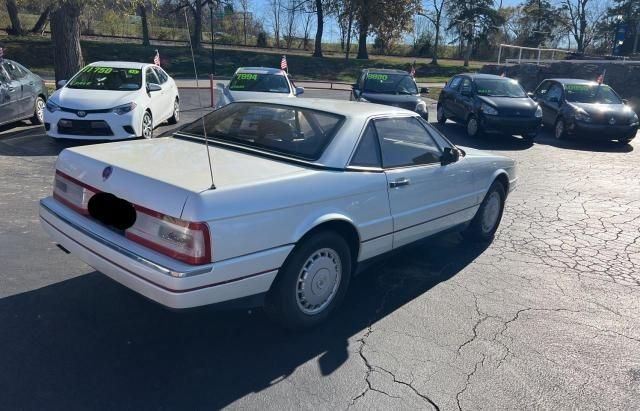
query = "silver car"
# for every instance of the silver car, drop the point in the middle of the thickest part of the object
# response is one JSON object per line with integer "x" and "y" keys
{"x": 22, "y": 94}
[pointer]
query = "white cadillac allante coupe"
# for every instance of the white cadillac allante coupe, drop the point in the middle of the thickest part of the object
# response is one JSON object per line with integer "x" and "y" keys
{"x": 112, "y": 100}
{"x": 303, "y": 192}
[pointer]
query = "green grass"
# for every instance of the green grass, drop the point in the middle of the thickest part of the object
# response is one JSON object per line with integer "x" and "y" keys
{"x": 37, "y": 54}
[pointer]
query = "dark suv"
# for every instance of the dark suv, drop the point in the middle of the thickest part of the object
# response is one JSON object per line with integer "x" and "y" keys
{"x": 392, "y": 88}
{"x": 586, "y": 109}
{"x": 488, "y": 103}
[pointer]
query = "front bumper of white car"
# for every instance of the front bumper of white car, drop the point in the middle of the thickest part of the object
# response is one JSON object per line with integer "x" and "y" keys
{"x": 167, "y": 281}
{"x": 93, "y": 126}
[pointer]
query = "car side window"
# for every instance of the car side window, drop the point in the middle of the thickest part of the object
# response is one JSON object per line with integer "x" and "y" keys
{"x": 466, "y": 86}
{"x": 162, "y": 76}
{"x": 405, "y": 142}
{"x": 454, "y": 83}
{"x": 555, "y": 92}
{"x": 150, "y": 77}
{"x": 14, "y": 71}
{"x": 541, "y": 91}
{"x": 368, "y": 152}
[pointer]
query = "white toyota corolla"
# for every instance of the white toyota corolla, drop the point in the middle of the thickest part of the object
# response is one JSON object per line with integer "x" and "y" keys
{"x": 112, "y": 101}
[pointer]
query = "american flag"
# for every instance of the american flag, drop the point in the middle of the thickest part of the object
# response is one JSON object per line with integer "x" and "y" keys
{"x": 413, "y": 69}
{"x": 156, "y": 59}
{"x": 600, "y": 78}
{"x": 283, "y": 64}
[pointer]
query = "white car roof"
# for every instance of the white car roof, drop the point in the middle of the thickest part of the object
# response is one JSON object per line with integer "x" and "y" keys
{"x": 260, "y": 70}
{"x": 120, "y": 64}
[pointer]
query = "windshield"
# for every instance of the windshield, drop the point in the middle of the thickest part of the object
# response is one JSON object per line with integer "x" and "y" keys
{"x": 587, "y": 93}
{"x": 267, "y": 83}
{"x": 499, "y": 88}
{"x": 390, "y": 84}
{"x": 289, "y": 131}
{"x": 107, "y": 78}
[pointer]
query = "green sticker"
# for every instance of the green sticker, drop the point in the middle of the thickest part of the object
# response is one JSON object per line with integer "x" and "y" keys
{"x": 97, "y": 70}
{"x": 134, "y": 71}
{"x": 578, "y": 87}
{"x": 247, "y": 76}
{"x": 381, "y": 77}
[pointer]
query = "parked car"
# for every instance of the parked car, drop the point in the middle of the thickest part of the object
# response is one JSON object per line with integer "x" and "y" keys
{"x": 22, "y": 94}
{"x": 112, "y": 100}
{"x": 257, "y": 83}
{"x": 301, "y": 193}
{"x": 390, "y": 87}
{"x": 585, "y": 108}
{"x": 488, "y": 103}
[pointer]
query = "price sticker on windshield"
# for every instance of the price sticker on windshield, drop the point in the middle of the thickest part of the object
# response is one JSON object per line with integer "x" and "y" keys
{"x": 578, "y": 87}
{"x": 97, "y": 70}
{"x": 134, "y": 71}
{"x": 247, "y": 76}
{"x": 381, "y": 77}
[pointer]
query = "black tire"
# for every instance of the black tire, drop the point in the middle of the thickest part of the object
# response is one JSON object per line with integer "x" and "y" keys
{"x": 147, "y": 133}
{"x": 560, "y": 129}
{"x": 477, "y": 229}
{"x": 471, "y": 130}
{"x": 623, "y": 141}
{"x": 440, "y": 117}
{"x": 38, "y": 111}
{"x": 285, "y": 300}
{"x": 176, "y": 113}
{"x": 529, "y": 136}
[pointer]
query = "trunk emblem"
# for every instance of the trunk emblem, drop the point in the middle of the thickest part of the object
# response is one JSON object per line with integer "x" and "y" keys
{"x": 612, "y": 121}
{"x": 106, "y": 173}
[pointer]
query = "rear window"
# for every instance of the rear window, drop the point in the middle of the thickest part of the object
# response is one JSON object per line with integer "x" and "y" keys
{"x": 107, "y": 78}
{"x": 284, "y": 130}
{"x": 266, "y": 83}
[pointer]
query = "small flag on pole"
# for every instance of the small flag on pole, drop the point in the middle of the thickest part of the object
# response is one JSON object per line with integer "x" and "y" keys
{"x": 413, "y": 69}
{"x": 283, "y": 64}
{"x": 504, "y": 72}
{"x": 1, "y": 53}
{"x": 600, "y": 78}
{"x": 156, "y": 59}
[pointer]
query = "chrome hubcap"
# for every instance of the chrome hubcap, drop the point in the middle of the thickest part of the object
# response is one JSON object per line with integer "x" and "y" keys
{"x": 559, "y": 129}
{"x": 40, "y": 109}
{"x": 147, "y": 126}
{"x": 472, "y": 127}
{"x": 176, "y": 110}
{"x": 491, "y": 212}
{"x": 318, "y": 281}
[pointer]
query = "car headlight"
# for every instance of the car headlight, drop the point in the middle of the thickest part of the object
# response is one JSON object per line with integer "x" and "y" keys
{"x": 487, "y": 109}
{"x": 124, "y": 109}
{"x": 52, "y": 107}
{"x": 582, "y": 115}
{"x": 634, "y": 119}
{"x": 421, "y": 107}
{"x": 538, "y": 112}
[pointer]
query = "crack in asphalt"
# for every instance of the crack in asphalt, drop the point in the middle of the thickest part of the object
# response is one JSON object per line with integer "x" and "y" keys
{"x": 468, "y": 381}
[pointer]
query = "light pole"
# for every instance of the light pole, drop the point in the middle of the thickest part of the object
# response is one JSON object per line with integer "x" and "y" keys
{"x": 213, "y": 36}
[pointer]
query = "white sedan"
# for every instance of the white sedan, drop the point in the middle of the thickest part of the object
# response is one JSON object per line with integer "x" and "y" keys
{"x": 112, "y": 101}
{"x": 303, "y": 193}
{"x": 257, "y": 83}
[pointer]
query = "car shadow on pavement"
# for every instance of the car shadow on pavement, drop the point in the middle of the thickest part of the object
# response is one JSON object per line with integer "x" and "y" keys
{"x": 31, "y": 141}
{"x": 546, "y": 137}
{"x": 89, "y": 342}
{"x": 456, "y": 133}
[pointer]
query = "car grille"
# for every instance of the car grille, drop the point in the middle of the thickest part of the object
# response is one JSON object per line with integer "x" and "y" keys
{"x": 84, "y": 127}
{"x": 619, "y": 119}
{"x": 512, "y": 112}
{"x": 84, "y": 112}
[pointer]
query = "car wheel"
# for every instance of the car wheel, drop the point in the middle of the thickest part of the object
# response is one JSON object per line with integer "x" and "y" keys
{"x": 623, "y": 141}
{"x": 473, "y": 126}
{"x": 147, "y": 125}
{"x": 440, "y": 115}
{"x": 38, "y": 111}
{"x": 560, "y": 130}
{"x": 312, "y": 282}
{"x": 487, "y": 219}
{"x": 176, "y": 112}
{"x": 529, "y": 136}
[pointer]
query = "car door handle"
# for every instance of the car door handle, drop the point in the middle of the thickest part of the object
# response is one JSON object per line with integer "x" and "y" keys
{"x": 399, "y": 182}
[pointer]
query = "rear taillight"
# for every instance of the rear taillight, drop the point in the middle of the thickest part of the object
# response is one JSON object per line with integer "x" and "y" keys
{"x": 72, "y": 193}
{"x": 183, "y": 240}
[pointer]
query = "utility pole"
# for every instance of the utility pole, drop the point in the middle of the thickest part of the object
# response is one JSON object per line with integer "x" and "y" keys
{"x": 635, "y": 42}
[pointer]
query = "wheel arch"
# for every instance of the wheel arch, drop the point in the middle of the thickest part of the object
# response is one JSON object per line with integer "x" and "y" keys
{"x": 338, "y": 223}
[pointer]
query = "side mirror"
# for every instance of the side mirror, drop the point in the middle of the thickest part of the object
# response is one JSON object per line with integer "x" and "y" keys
{"x": 299, "y": 90}
{"x": 531, "y": 95}
{"x": 449, "y": 155}
{"x": 151, "y": 87}
{"x": 62, "y": 83}
{"x": 625, "y": 101}
{"x": 424, "y": 90}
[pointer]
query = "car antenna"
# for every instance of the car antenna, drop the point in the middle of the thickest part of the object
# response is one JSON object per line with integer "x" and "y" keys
{"x": 204, "y": 128}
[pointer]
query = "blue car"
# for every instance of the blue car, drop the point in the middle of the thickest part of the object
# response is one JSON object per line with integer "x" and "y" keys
{"x": 22, "y": 94}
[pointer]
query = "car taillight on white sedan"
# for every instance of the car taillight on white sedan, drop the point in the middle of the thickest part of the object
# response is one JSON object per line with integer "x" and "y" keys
{"x": 182, "y": 240}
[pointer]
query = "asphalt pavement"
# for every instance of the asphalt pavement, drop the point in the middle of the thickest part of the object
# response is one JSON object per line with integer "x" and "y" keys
{"x": 547, "y": 316}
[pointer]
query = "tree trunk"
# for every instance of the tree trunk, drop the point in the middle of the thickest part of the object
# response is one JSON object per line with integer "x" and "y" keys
{"x": 467, "y": 53}
{"x": 244, "y": 26}
{"x": 65, "y": 33}
{"x": 350, "y": 27}
{"x": 196, "y": 36}
{"x": 12, "y": 9}
{"x": 42, "y": 21}
{"x": 317, "y": 52}
{"x": 436, "y": 42}
{"x": 363, "y": 31}
{"x": 142, "y": 11}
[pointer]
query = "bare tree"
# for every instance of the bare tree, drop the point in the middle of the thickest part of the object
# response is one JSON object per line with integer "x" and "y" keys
{"x": 291, "y": 13}
{"x": 245, "y": 5}
{"x": 12, "y": 10}
{"x": 581, "y": 17}
{"x": 436, "y": 16}
{"x": 275, "y": 9}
